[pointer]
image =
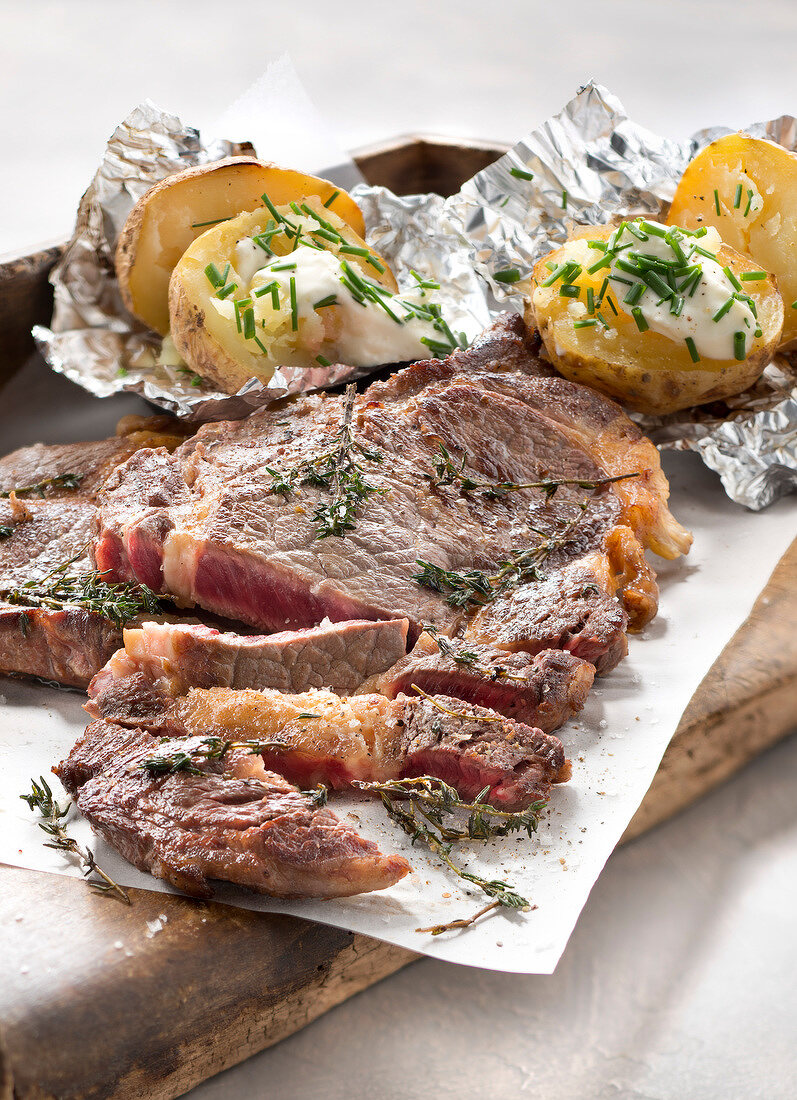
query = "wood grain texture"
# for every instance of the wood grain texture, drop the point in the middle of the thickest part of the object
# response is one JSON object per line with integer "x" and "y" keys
{"x": 94, "y": 1005}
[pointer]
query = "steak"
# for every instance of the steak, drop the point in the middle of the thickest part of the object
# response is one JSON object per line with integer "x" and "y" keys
{"x": 234, "y": 821}
{"x": 227, "y": 523}
{"x": 318, "y": 737}
{"x": 47, "y": 507}
{"x": 339, "y": 656}
{"x": 542, "y": 690}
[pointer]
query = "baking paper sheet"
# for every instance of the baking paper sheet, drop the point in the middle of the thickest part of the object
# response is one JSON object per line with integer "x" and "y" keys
{"x": 616, "y": 745}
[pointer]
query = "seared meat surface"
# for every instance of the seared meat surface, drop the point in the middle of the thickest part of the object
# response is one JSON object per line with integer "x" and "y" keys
{"x": 209, "y": 524}
{"x": 542, "y": 690}
{"x": 235, "y": 821}
{"x": 318, "y": 737}
{"x": 42, "y": 530}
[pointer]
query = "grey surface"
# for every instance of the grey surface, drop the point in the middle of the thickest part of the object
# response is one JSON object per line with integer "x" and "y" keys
{"x": 679, "y": 980}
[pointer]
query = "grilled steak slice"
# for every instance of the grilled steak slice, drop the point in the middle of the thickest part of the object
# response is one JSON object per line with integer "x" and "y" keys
{"x": 339, "y": 656}
{"x": 210, "y": 524}
{"x": 42, "y": 529}
{"x": 319, "y": 737}
{"x": 235, "y": 821}
{"x": 543, "y": 690}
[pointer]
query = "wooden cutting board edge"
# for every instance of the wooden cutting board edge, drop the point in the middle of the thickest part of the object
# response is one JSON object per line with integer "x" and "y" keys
{"x": 190, "y": 1012}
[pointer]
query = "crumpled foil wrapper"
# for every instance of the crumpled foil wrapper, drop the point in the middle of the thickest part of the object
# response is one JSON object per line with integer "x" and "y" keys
{"x": 590, "y": 164}
{"x": 93, "y": 340}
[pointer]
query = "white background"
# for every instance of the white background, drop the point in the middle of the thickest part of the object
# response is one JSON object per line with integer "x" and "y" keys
{"x": 679, "y": 979}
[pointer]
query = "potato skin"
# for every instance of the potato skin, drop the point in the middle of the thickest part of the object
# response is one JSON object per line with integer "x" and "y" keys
{"x": 768, "y": 235}
{"x": 647, "y": 371}
{"x": 161, "y": 225}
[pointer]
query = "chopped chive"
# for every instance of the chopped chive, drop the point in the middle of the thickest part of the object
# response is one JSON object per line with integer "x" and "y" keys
{"x": 794, "y": 305}
{"x": 283, "y": 267}
{"x": 602, "y": 291}
{"x": 705, "y": 252}
{"x": 275, "y": 296}
{"x": 752, "y": 276}
{"x": 557, "y": 273}
{"x": 639, "y": 317}
{"x": 506, "y": 200}
{"x": 227, "y": 290}
{"x": 739, "y": 346}
{"x": 690, "y": 345}
{"x": 267, "y": 289}
{"x": 215, "y": 277}
{"x": 249, "y": 323}
{"x": 717, "y": 201}
{"x": 331, "y": 199}
{"x": 586, "y": 323}
{"x": 330, "y": 300}
{"x": 604, "y": 261}
{"x": 569, "y": 290}
{"x": 260, "y": 344}
{"x": 600, "y": 245}
{"x": 729, "y": 275}
{"x": 748, "y": 301}
{"x": 637, "y": 232}
{"x": 322, "y": 360}
{"x": 551, "y": 266}
{"x": 613, "y": 306}
{"x": 294, "y": 310}
{"x": 273, "y": 210}
{"x": 676, "y": 306}
{"x": 213, "y": 221}
{"x": 521, "y": 174}
{"x": 590, "y": 300}
{"x": 507, "y": 275}
{"x": 372, "y": 260}
{"x": 737, "y": 198}
{"x": 564, "y": 200}
{"x": 327, "y": 234}
{"x": 353, "y": 250}
{"x": 749, "y": 202}
{"x": 654, "y": 229}
{"x": 634, "y": 294}
{"x": 723, "y": 309}
{"x": 655, "y": 282}
{"x": 757, "y": 333}
{"x": 620, "y": 279}
{"x": 602, "y": 320}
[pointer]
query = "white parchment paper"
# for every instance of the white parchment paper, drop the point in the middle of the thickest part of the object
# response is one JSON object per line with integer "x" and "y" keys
{"x": 616, "y": 745}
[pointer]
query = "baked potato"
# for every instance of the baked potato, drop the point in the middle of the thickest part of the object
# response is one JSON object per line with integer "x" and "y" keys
{"x": 176, "y": 211}
{"x": 612, "y": 320}
{"x": 291, "y": 286}
{"x": 747, "y": 189}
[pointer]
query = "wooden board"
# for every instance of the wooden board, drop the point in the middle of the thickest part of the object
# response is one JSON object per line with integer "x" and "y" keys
{"x": 95, "y": 1004}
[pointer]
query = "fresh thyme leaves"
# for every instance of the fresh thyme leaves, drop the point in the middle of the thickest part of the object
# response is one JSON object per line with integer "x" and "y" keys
{"x": 449, "y": 472}
{"x": 39, "y": 488}
{"x": 54, "y": 815}
{"x": 63, "y": 588}
{"x": 5, "y": 531}
{"x": 208, "y": 748}
{"x": 336, "y": 470}
{"x": 468, "y": 657}
{"x": 420, "y": 806}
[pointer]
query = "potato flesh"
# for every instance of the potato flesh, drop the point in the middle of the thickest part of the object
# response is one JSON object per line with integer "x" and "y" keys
{"x": 284, "y": 345}
{"x": 768, "y": 236}
{"x": 172, "y": 217}
{"x": 644, "y": 370}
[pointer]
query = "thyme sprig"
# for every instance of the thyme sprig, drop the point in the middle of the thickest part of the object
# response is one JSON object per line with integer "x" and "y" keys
{"x": 211, "y": 748}
{"x": 449, "y": 472}
{"x": 463, "y": 714}
{"x": 337, "y": 470}
{"x": 54, "y": 815}
{"x": 62, "y": 588}
{"x": 39, "y": 488}
{"x": 420, "y": 805}
{"x": 476, "y": 587}
{"x": 468, "y": 657}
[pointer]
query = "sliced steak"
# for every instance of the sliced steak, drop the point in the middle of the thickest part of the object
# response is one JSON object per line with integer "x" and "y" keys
{"x": 235, "y": 821}
{"x": 319, "y": 737}
{"x": 339, "y": 656}
{"x": 210, "y": 525}
{"x": 41, "y": 529}
{"x": 542, "y": 690}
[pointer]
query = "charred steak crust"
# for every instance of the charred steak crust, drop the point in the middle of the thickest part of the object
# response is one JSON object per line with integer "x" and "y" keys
{"x": 235, "y": 821}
